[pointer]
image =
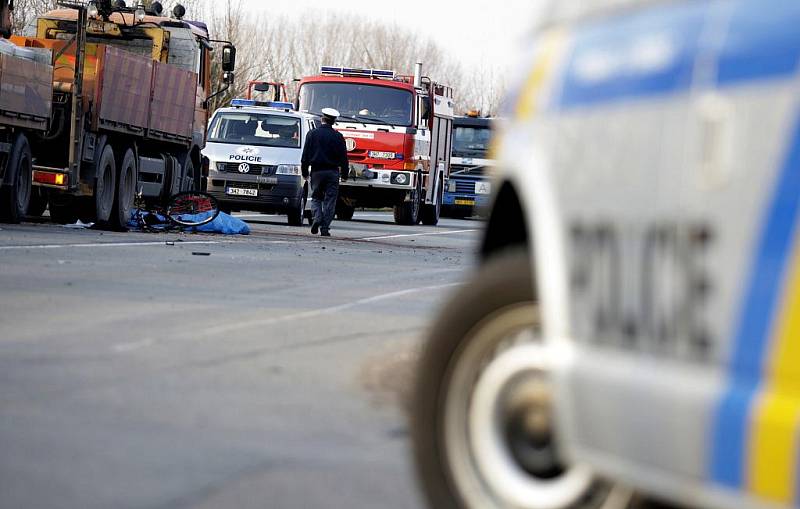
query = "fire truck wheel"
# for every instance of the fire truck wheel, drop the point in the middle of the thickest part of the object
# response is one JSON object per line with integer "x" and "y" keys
{"x": 38, "y": 202}
{"x": 344, "y": 212}
{"x": 482, "y": 426}
{"x": 430, "y": 213}
{"x": 407, "y": 213}
{"x": 16, "y": 191}
{"x": 105, "y": 186}
{"x": 125, "y": 192}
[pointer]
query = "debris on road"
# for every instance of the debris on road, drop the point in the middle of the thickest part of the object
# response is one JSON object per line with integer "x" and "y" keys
{"x": 200, "y": 253}
{"x": 79, "y": 225}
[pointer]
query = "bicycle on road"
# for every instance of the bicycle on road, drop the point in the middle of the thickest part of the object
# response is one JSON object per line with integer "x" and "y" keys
{"x": 184, "y": 210}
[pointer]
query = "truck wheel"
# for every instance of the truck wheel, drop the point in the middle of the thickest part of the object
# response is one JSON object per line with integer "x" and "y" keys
{"x": 189, "y": 182}
{"x": 38, "y": 203}
{"x": 407, "y": 213}
{"x": 125, "y": 192}
{"x": 478, "y": 443}
{"x": 344, "y": 212}
{"x": 430, "y": 213}
{"x": 105, "y": 186}
{"x": 15, "y": 193}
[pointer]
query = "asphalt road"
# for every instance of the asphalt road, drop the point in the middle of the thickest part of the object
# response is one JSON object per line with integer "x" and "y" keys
{"x": 187, "y": 370}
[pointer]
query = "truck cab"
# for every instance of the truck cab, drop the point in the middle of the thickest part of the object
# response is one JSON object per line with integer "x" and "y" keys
{"x": 397, "y": 130}
{"x": 469, "y": 187}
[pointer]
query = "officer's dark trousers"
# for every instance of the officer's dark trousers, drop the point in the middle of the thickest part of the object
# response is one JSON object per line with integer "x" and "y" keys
{"x": 324, "y": 190}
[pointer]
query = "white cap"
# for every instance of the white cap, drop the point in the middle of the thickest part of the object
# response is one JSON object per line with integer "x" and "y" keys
{"x": 330, "y": 112}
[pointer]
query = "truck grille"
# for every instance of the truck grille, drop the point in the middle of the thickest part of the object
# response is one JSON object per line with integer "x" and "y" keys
{"x": 465, "y": 186}
{"x": 255, "y": 169}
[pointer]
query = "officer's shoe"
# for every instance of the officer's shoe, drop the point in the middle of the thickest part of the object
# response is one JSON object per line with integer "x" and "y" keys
{"x": 314, "y": 228}
{"x": 325, "y": 233}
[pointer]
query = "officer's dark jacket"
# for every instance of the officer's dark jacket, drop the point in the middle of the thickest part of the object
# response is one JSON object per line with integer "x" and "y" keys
{"x": 325, "y": 150}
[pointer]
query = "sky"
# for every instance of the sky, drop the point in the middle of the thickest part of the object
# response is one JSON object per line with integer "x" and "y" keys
{"x": 473, "y": 31}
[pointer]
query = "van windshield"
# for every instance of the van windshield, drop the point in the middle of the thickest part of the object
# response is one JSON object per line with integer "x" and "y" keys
{"x": 260, "y": 129}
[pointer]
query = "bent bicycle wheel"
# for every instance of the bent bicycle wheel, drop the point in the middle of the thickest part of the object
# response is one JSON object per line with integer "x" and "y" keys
{"x": 192, "y": 208}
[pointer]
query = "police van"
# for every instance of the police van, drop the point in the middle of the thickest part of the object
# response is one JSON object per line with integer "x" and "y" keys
{"x": 253, "y": 153}
{"x": 634, "y": 328}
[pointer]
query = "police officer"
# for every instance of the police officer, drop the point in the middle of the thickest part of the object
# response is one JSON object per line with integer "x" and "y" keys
{"x": 326, "y": 153}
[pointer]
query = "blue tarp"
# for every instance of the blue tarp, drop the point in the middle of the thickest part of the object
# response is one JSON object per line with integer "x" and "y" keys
{"x": 223, "y": 223}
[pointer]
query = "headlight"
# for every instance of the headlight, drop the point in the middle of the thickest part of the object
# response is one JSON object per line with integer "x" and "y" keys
{"x": 451, "y": 186}
{"x": 92, "y": 11}
{"x": 288, "y": 169}
{"x": 400, "y": 178}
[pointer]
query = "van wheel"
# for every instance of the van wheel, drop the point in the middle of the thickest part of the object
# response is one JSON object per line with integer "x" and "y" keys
{"x": 482, "y": 431}
{"x": 125, "y": 192}
{"x": 295, "y": 216}
{"x": 15, "y": 194}
{"x": 105, "y": 186}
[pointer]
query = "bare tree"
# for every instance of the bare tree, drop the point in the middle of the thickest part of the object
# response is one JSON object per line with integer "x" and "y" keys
{"x": 25, "y": 11}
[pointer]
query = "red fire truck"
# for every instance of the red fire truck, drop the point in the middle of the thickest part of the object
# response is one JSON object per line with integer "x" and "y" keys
{"x": 398, "y": 133}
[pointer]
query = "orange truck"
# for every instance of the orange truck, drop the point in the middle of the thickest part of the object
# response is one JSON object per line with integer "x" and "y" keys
{"x": 125, "y": 111}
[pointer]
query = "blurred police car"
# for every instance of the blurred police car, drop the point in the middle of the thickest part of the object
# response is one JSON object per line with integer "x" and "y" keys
{"x": 636, "y": 320}
{"x": 254, "y": 150}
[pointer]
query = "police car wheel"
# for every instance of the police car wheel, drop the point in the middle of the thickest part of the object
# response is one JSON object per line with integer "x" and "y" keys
{"x": 481, "y": 420}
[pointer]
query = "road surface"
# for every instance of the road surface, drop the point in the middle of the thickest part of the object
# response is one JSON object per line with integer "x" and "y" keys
{"x": 185, "y": 370}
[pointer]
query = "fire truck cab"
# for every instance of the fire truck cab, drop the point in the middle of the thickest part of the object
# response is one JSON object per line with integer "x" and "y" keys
{"x": 398, "y": 133}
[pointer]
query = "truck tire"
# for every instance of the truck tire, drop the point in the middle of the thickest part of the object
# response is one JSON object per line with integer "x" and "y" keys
{"x": 15, "y": 194}
{"x": 468, "y": 337}
{"x": 344, "y": 212}
{"x": 38, "y": 203}
{"x": 105, "y": 186}
{"x": 407, "y": 213}
{"x": 190, "y": 180}
{"x": 429, "y": 215}
{"x": 125, "y": 192}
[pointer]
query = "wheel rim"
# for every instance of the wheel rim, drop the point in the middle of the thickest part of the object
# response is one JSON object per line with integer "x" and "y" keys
{"x": 483, "y": 399}
{"x": 23, "y": 184}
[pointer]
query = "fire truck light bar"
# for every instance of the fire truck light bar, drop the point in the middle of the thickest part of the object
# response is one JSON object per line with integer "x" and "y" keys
{"x": 349, "y": 71}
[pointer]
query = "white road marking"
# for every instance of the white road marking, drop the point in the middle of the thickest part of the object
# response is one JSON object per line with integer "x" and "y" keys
{"x": 449, "y": 232}
{"x": 110, "y": 244}
{"x": 134, "y": 345}
{"x": 225, "y": 328}
{"x": 260, "y": 322}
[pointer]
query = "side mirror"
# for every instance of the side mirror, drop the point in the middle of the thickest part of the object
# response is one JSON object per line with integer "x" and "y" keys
{"x": 228, "y": 58}
{"x": 227, "y": 77}
{"x": 426, "y": 108}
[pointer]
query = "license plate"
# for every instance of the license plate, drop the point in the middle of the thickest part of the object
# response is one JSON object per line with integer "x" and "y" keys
{"x": 465, "y": 202}
{"x": 238, "y": 191}
{"x": 483, "y": 188}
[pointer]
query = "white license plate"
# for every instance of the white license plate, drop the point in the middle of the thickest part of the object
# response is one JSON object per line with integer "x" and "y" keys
{"x": 238, "y": 191}
{"x": 483, "y": 188}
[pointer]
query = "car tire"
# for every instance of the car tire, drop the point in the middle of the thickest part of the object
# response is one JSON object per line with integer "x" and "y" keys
{"x": 491, "y": 315}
